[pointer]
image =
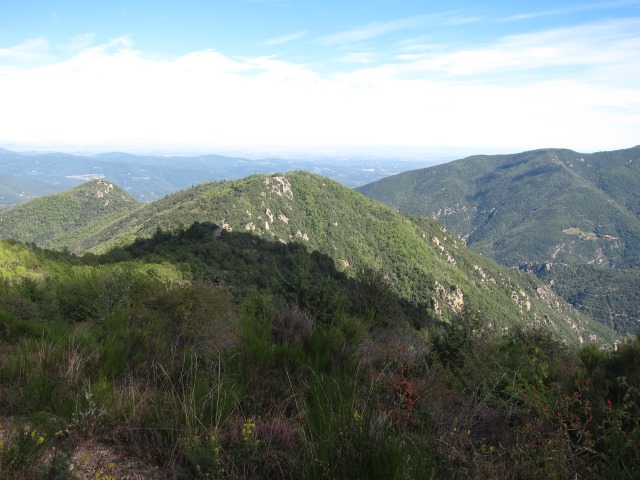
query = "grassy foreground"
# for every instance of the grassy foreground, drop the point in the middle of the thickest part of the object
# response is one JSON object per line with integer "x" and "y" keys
{"x": 304, "y": 374}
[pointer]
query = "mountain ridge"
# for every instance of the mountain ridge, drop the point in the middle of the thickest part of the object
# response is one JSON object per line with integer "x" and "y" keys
{"x": 480, "y": 196}
{"x": 424, "y": 263}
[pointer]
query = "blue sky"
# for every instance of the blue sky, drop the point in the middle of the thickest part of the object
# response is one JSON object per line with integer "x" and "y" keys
{"x": 268, "y": 74}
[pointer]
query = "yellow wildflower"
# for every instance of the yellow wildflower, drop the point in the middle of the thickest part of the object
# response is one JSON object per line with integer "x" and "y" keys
{"x": 247, "y": 429}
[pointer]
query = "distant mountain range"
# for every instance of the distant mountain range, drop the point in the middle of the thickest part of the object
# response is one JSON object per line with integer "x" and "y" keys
{"x": 425, "y": 265}
{"x": 149, "y": 177}
{"x": 549, "y": 211}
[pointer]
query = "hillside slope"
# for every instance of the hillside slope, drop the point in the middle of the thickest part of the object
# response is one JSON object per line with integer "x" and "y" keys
{"x": 549, "y": 211}
{"x": 540, "y": 206}
{"x": 424, "y": 264}
{"x": 64, "y": 219}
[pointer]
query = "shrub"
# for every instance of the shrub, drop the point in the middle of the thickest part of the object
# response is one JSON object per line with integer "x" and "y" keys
{"x": 21, "y": 453}
{"x": 373, "y": 296}
{"x": 292, "y": 326}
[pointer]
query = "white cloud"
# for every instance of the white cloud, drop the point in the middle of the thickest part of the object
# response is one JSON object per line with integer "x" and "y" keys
{"x": 26, "y": 49}
{"x": 112, "y": 94}
{"x": 589, "y": 50}
{"x": 285, "y": 38}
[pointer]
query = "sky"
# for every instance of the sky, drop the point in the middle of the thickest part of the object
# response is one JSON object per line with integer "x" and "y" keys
{"x": 264, "y": 75}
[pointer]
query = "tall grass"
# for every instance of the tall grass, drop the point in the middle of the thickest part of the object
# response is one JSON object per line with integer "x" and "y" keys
{"x": 207, "y": 388}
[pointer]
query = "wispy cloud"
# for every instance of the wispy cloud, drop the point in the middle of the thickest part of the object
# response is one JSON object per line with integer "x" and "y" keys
{"x": 123, "y": 42}
{"x": 79, "y": 42}
{"x": 358, "y": 58}
{"x": 576, "y": 8}
{"x": 285, "y": 38}
{"x": 583, "y": 50}
{"x": 377, "y": 29}
{"x": 455, "y": 21}
{"x": 28, "y": 48}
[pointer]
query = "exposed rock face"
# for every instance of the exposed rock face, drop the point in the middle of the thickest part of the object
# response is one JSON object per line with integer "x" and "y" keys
{"x": 279, "y": 185}
{"x": 103, "y": 189}
{"x": 302, "y": 235}
{"x": 521, "y": 299}
{"x": 457, "y": 208}
{"x": 453, "y": 299}
{"x": 444, "y": 252}
{"x": 269, "y": 214}
{"x": 483, "y": 276}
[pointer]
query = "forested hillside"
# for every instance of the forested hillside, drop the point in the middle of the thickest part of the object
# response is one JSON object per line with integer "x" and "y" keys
{"x": 63, "y": 220}
{"x": 538, "y": 210}
{"x": 539, "y": 206}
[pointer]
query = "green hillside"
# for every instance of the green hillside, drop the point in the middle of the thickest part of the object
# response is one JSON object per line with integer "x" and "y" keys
{"x": 540, "y": 206}
{"x": 64, "y": 220}
{"x": 608, "y": 295}
{"x": 545, "y": 207}
{"x": 423, "y": 263}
